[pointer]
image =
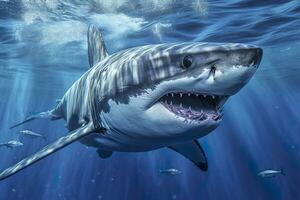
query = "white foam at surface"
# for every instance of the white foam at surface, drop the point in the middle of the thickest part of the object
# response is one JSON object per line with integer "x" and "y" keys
{"x": 118, "y": 24}
{"x": 63, "y": 32}
{"x": 158, "y": 28}
{"x": 54, "y": 25}
{"x": 111, "y": 6}
{"x": 200, "y": 6}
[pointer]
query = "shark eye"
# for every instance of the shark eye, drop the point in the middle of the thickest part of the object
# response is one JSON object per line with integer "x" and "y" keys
{"x": 186, "y": 62}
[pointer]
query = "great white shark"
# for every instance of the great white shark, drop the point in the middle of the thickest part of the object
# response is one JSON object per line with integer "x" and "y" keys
{"x": 149, "y": 97}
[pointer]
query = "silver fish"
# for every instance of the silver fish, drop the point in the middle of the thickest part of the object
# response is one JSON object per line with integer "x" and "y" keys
{"x": 270, "y": 173}
{"x": 12, "y": 144}
{"x": 170, "y": 171}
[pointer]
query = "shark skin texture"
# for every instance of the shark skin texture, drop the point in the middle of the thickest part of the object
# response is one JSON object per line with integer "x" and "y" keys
{"x": 149, "y": 97}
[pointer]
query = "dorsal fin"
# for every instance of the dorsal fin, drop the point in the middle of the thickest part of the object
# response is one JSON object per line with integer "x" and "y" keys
{"x": 96, "y": 47}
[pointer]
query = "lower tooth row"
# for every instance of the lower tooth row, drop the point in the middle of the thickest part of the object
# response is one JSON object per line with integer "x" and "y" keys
{"x": 180, "y": 105}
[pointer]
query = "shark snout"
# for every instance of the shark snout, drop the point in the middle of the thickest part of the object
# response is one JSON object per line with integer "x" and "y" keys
{"x": 248, "y": 58}
{"x": 234, "y": 70}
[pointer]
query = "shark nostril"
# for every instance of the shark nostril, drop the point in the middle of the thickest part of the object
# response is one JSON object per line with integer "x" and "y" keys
{"x": 213, "y": 68}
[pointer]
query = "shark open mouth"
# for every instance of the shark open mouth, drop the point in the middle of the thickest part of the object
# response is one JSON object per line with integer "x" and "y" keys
{"x": 194, "y": 106}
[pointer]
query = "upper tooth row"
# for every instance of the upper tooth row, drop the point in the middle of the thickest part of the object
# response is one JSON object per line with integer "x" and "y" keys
{"x": 189, "y": 94}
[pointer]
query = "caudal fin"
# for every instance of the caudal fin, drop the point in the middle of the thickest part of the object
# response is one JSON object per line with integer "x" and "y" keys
{"x": 42, "y": 115}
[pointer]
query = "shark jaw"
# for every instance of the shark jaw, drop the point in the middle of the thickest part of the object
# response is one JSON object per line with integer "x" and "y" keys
{"x": 196, "y": 102}
{"x": 194, "y": 107}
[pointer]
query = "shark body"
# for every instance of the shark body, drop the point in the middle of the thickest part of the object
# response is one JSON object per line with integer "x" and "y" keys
{"x": 149, "y": 97}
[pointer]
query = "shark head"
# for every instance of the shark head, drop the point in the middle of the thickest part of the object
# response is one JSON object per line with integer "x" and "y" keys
{"x": 176, "y": 91}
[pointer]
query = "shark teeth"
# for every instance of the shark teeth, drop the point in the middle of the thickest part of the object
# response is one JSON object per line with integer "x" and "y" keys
{"x": 194, "y": 106}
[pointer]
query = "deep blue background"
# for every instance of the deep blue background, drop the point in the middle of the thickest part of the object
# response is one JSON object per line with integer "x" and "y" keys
{"x": 43, "y": 51}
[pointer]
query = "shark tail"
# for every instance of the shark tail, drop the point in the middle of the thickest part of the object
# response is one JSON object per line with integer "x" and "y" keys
{"x": 42, "y": 115}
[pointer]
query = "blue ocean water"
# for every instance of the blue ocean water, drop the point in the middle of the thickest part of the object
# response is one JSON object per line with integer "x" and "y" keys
{"x": 44, "y": 50}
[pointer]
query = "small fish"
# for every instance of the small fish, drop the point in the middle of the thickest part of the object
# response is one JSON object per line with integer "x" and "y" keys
{"x": 270, "y": 173}
{"x": 31, "y": 133}
{"x": 12, "y": 144}
{"x": 171, "y": 171}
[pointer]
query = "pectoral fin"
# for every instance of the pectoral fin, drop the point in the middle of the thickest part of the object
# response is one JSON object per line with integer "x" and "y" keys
{"x": 192, "y": 151}
{"x": 49, "y": 149}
